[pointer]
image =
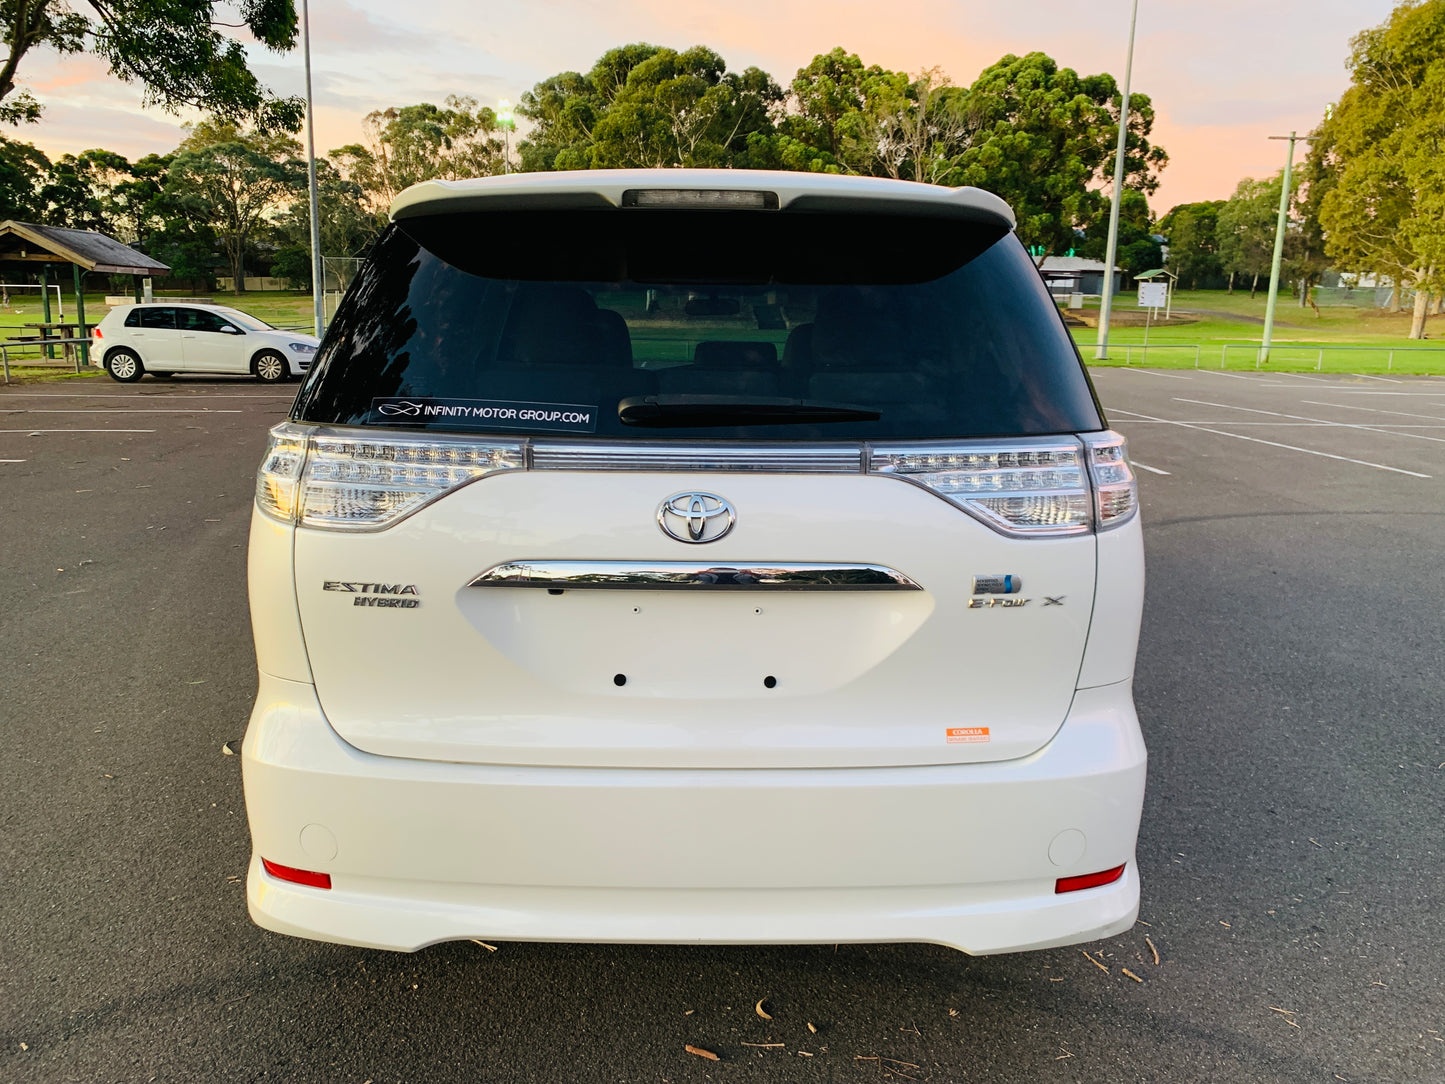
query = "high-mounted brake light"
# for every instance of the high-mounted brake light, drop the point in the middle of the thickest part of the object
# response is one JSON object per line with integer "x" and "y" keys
{"x": 700, "y": 199}
{"x": 296, "y": 876}
{"x": 1088, "y": 880}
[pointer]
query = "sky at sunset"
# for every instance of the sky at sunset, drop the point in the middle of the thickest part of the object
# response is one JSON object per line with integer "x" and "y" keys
{"x": 1223, "y": 75}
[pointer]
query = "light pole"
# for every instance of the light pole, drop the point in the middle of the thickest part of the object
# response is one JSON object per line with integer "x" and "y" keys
{"x": 1106, "y": 302}
{"x": 506, "y": 124}
{"x": 316, "y": 284}
{"x": 1279, "y": 227}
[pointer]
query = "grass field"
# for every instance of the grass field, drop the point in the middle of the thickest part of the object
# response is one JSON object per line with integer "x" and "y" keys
{"x": 1220, "y": 330}
{"x": 1214, "y": 329}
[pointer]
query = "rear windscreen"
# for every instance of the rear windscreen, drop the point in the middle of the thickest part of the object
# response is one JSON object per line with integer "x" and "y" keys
{"x": 662, "y": 324}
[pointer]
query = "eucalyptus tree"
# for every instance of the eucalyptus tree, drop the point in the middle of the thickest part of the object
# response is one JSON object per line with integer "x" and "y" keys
{"x": 237, "y": 182}
{"x": 179, "y": 52}
{"x": 1379, "y": 157}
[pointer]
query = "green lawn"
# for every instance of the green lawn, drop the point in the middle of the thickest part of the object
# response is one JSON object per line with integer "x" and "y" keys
{"x": 1214, "y": 329}
{"x": 1223, "y": 330}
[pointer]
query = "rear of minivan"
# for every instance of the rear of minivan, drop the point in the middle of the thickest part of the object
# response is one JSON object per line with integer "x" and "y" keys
{"x": 696, "y": 556}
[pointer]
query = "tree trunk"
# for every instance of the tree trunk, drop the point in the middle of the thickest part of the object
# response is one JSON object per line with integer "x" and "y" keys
{"x": 1422, "y": 309}
{"x": 1231, "y": 282}
{"x": 1304, "y": 292}
{"x": 1253, "y": 286}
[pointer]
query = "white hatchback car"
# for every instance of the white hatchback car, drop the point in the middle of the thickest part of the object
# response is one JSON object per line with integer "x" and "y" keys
{"x": 162, "y": 338}
{"x": 692, "y": 556}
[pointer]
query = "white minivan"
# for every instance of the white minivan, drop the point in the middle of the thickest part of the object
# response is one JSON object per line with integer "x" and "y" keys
{"x": 164, "y": 338}
{"x": 696, "y": 556}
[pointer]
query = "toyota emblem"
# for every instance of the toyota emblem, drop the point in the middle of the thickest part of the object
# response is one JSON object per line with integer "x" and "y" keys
{"x": 695, "y": 517}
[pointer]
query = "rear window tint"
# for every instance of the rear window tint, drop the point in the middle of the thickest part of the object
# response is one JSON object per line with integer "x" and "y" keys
{"x": 151, "y": 317}
{"x": 700, "y": 325}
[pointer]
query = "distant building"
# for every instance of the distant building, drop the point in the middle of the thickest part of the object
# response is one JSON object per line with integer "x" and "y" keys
{"x": 1076, "y": 275}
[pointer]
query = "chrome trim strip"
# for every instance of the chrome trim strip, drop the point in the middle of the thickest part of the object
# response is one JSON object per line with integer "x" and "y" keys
{"x": 675, "y": 456}
{"x": 693, "y": 575}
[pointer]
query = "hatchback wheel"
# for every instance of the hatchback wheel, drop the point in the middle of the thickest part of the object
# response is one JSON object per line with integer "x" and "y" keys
{"x": 124, "y": 366}
{"x": 270, "y": 367}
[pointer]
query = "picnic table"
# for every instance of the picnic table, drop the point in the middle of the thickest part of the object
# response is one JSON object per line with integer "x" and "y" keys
{"x": 72, "y": 336}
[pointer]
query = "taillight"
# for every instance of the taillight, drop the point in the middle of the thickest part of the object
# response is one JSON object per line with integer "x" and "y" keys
{"x": 1116, "y": 490}
{"x": 96, "y": 332}
{"x": 352, "y": 482}
{"x": 1024, "y": 487}
{"x": 1034, "y": 488}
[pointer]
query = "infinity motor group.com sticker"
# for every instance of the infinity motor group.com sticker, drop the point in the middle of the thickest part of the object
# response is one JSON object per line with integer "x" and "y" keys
{"x": 486, "y": 414}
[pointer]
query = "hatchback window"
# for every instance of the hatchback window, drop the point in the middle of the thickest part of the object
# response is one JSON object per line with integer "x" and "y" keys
{"x": 152, "y": 317}
{"x": 695, "y": 325}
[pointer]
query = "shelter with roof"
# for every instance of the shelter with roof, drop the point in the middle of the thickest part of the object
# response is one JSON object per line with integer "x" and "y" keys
{"x": 1076, "y": 275}
{"x": 38, "y": 248}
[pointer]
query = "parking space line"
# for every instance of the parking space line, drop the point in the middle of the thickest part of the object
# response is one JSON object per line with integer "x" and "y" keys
{"x": 1373, "y": 410}
{"x": 1146, "y": 466}
{"x": 1149, "y": 372}
{"x": 1232, "y": 376}
{"x": 114, "y": 410}
{"x": 37, "y": 432}
{"x": 14, "y": 461}
{"x": 1288, "y": 447}
{"x": 1306, "y": 418}
{"x": 1367, "y": 376}
{"x": 1273, "y": 425}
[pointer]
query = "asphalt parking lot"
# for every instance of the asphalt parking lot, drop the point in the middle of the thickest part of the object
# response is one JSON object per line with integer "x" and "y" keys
{"x": 1290, "y": 686}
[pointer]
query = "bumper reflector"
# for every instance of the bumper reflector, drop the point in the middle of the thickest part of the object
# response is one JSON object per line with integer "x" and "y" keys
{"x": 307, "y": 877}
{"x": 1075, "y": 884}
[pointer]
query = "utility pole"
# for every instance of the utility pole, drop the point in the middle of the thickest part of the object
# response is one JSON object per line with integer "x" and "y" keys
{"x": 1106, "y": 302}
{"x": 1279, "y": 228}
{"x": 317, "y": 311}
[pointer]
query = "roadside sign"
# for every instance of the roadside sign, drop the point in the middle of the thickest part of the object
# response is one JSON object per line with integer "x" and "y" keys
{"x": 1153, "y": 295}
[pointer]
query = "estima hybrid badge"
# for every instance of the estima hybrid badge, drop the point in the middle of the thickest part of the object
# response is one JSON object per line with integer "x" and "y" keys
{"x": 695, "y": 517}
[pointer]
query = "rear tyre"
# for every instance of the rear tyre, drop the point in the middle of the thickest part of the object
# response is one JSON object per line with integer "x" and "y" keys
{"x": 124, "y": 366}
{"x": 271, "y": 367}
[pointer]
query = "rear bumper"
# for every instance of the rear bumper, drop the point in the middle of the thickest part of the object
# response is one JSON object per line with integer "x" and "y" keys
{"x": 421, "y": 852}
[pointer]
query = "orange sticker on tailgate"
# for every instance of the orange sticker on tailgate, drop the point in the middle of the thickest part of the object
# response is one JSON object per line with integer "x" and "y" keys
{"x": 960, "y": 734}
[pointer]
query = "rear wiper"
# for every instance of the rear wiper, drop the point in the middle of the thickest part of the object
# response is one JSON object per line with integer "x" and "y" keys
{"x": 698, "y": 411}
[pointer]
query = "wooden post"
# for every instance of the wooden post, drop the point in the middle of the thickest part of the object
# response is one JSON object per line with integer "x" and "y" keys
{"x": 82, "y": 354}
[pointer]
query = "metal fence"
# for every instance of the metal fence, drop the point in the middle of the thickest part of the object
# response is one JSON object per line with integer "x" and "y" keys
{"x": 1360, "y": 297}
{"x": 1251, "y": 356}
{"x": 337, "y": 273}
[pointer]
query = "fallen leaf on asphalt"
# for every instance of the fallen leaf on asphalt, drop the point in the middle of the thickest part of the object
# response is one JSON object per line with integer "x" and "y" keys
{"x": 1095, "y": 962}
{"x": 489, "y": 948}
{"x": 765, "y": 1046}
{"x": 1152, "y": 949}
{"x": 700, "y": 1052}
{"x": 1131, "y": 974}
{"x": 230, "y": 748}
{"x": 812, "y": 1027}
{"x": 758, "y": 1008}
